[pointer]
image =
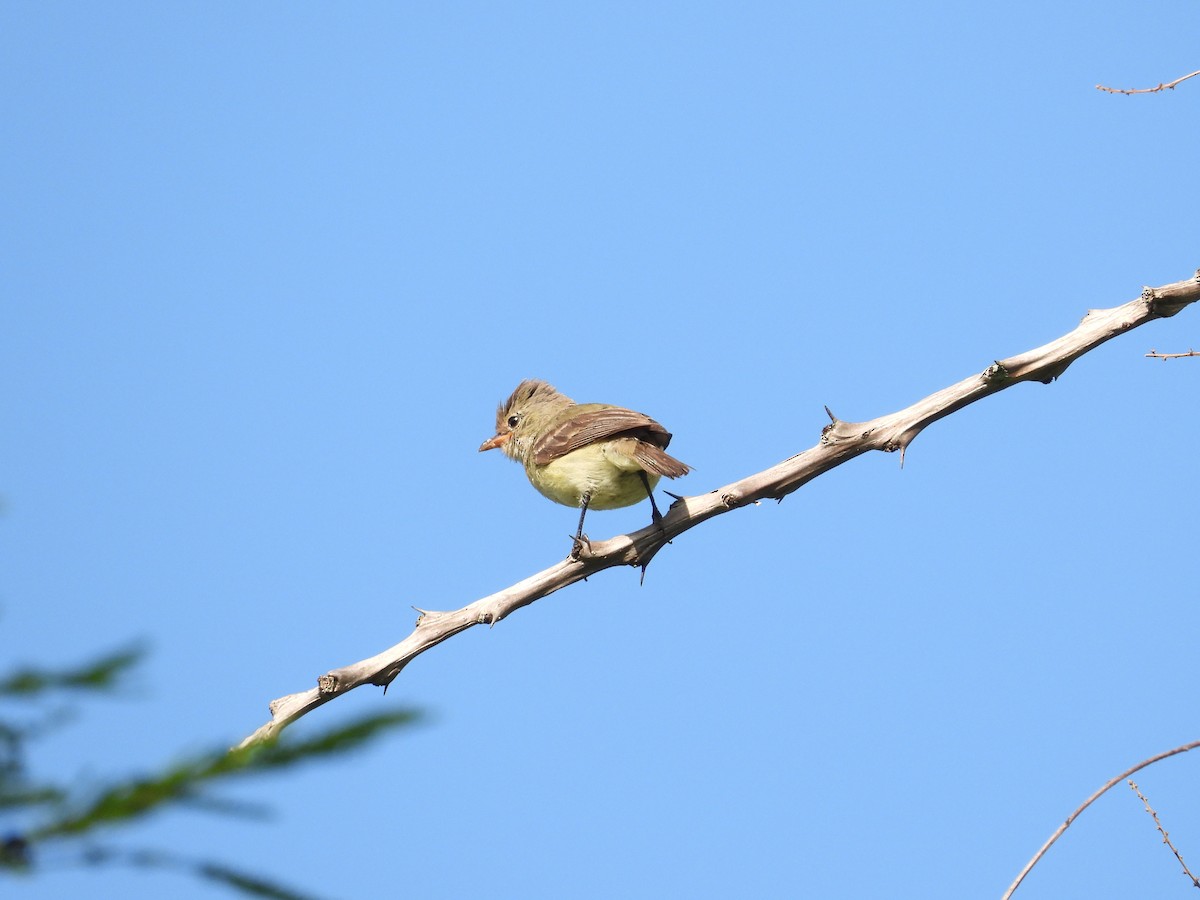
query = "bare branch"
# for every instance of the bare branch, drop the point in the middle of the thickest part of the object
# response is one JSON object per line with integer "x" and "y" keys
{"x": 1169, "y": 86}
{"x": 840, "y": 441}
{"x": 1088, "y": 802}
{"x": 1163, "y": 832}
{"x": 1154, "y": 354}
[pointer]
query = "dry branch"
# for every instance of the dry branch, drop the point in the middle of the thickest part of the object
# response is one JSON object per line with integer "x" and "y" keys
{"x": 1088, "y": 802}
{"x": 1166, "y": 838}
{"x": 1154, "y": 354}
{"x": 1168, "y": 86}
{"x": 840, "y": 442}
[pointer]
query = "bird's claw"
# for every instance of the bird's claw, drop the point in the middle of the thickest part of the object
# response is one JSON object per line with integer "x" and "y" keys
{"x": 578, "y": 543}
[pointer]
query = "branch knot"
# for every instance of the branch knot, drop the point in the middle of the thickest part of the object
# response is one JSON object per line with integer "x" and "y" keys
{"x": 995, "y": 373}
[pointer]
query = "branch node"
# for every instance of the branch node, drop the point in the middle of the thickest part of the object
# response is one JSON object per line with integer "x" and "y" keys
{"x": 581, "y": 548}
{"x": 995, "y": 373}
{"x": 429, "y": 617}
{"x": 838, "y": 430}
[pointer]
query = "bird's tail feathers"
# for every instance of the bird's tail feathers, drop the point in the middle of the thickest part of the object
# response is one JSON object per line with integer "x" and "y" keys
{"x": 658, "y": 461}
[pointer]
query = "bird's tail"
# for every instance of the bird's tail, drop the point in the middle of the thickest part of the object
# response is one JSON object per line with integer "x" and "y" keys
{"x": 658, "y": 461}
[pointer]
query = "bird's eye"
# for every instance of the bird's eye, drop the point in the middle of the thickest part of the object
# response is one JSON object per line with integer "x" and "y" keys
{"x": 513, "y": 421}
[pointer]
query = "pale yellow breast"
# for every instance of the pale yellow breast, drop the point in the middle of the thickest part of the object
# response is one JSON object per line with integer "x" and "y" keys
{"x": 610, "y": 475}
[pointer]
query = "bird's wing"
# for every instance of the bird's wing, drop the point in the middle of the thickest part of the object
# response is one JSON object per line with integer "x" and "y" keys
{"x": 598, "y": 425}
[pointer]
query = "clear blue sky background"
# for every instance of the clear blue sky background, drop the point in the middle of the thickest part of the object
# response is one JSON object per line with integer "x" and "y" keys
{"x": 267, "y": 269}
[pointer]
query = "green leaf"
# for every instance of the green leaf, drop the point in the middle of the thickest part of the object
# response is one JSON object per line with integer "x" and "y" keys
{"x": 101, "y": 674}
{"x": 185, "y": 783}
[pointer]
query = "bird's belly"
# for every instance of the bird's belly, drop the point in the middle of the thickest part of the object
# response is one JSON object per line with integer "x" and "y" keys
{"x": 566, "y": 479}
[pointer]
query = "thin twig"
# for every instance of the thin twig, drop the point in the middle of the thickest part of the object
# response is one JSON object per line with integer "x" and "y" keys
{"x": 1163, "y": 832}
{"x": 1088, "y": 802}
{"x": 1154, "y": 354}
{"x": 1169, "y": 86}
{"x": 839, "y": 442}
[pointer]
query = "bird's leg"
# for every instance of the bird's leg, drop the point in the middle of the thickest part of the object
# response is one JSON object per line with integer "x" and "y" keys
{"x": 580, "y": 538}
{"x": 657, "y": 519}
{"x": 655, "y": 515}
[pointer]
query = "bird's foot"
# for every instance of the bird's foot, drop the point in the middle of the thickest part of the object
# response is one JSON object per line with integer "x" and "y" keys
{"x": 580, "y": 546}
{"x": 656, "y": 519}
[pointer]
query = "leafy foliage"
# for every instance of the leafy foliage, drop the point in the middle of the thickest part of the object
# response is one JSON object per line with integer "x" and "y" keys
{"x": 103, "y": 674}
{"x": 75, "y": 816}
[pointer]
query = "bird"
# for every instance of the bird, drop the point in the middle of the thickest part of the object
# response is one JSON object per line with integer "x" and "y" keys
{"x": 585, "y": 455}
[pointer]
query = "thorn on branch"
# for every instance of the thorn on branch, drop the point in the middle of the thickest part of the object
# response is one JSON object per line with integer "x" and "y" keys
{"x": 901, "y": 443}
{"x": 385, "y": 679}
{"x": 643, "y": 562}
{"x": 1053, "y": 373}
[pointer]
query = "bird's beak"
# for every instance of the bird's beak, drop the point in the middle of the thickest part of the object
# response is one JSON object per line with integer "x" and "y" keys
{"x": 493, "y": 442}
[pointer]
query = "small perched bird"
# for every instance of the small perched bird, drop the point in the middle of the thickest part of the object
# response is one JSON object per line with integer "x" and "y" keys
{"x": 588, "y": 455}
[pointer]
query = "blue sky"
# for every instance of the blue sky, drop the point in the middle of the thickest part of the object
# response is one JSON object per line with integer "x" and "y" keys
{"x": 268, "y": 269}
